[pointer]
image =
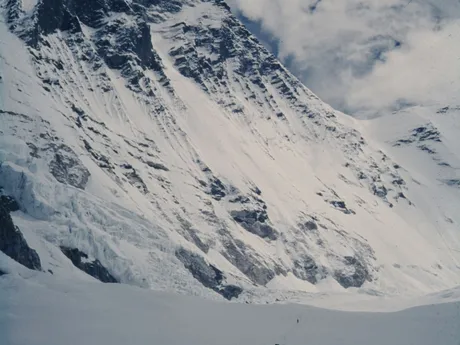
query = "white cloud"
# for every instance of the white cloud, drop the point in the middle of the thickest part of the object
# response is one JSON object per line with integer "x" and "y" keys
{"x": 369, "y": 54}
{"x": 426, "y": 71}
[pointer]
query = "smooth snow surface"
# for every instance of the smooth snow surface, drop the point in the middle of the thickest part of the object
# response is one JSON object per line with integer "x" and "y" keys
{"x": 43, "y": 310}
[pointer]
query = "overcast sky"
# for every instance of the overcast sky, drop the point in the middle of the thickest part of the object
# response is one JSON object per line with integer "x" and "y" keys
{"x": 368, "y": 55}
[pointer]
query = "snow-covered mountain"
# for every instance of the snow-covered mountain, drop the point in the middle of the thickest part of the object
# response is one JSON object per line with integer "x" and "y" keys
{"x": 157, "y": 143}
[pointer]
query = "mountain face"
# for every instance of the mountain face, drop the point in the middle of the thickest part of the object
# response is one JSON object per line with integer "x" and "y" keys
{"x": 157, "y": 143}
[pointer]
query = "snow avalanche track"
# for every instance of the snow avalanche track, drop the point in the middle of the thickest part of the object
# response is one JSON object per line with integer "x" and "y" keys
{"x": 166, "y": 148}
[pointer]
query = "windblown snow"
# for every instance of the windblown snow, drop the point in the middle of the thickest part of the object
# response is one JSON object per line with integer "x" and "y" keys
{"x": 158, "y": 144}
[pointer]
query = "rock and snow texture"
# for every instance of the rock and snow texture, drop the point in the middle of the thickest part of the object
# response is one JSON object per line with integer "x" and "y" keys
{"x": 163, "y": 144}
{"x": 12, "y": 242}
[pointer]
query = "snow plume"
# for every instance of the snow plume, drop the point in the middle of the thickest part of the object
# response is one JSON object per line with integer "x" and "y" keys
{"x": 366, "y": 55}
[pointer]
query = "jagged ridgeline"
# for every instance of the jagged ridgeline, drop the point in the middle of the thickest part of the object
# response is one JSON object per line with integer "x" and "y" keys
{"x": 159, "y": 144}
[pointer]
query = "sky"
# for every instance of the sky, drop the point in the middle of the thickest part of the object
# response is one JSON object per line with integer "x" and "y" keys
{"x": 365, "y": 56}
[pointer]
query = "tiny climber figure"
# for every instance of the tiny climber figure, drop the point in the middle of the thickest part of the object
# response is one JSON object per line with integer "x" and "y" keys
{"x": 297, "y": 320}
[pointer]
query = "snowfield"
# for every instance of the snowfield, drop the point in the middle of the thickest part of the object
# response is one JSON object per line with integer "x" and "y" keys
{"x": 41, "y": 309}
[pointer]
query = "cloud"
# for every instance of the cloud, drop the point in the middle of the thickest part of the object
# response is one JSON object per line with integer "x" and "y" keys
{"x": 366, "y": 54}
{"x": 425, "y": 71}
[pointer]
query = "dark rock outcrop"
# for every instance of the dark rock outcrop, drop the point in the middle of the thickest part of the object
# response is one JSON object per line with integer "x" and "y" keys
{"x": 427, "y": 133}
{"x": 134, "y": 179}
{"x": 217, "y": 190}
{"x": 427, "y": 149}
{"x": 241, "y": 257}
{"x": 355, "y": 275}
{"x": 240, "y": 199}
{"x": 230, "y": 291}
{"x": 255, "y": 221}
{"x": 67, "y": 168}
{"x": 135, "y": 40}
{"x": 53, "y": 15}
{"x": 208, "y": 275}
{"x": 13, "y": 243}
{"x": 307, "y": 269}
{"x": 9, "y": 203}
{"x": 341, "y": 206}
{"x": 452, "y": 182}
{"x": 309, "y": 225}
{"x": 157, "y": 166}
{"x": 93, "y": 268}
{"x": 122, "y": 43}
{"x": 101, "y": 160}
{"x": 422, "y": 134}
{"x": 380, "y": 191}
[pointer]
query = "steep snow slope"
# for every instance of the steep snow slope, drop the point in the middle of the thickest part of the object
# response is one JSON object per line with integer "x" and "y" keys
{"x": 159, "y": 144}
{"x": 425, "y": 138}
{"x": 39, "y": 309}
